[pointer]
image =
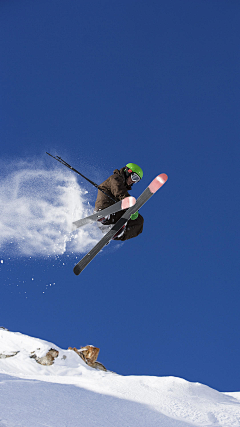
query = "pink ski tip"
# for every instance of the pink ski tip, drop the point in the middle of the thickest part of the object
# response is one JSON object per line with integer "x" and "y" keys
{"x": 128, "y": 202}
{"x": 158, "y": 182}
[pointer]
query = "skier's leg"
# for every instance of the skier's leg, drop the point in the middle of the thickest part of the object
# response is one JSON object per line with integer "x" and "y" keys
{"x": 112, "y": 219}
{"x": 132, "y": 229}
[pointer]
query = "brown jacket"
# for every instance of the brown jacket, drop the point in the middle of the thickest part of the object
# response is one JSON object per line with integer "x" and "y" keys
{"x": 115, "y": 186}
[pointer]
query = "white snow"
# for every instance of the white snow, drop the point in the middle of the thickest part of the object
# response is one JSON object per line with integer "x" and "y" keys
{"x": 37, "y": 208}
{"x": 70, "y": 393}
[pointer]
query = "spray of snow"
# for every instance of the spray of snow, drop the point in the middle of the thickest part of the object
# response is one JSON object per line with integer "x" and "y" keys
{"x": 37, "y": 207}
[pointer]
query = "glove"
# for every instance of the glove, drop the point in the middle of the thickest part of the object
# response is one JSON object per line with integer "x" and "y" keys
{"x": 134, "y": 216}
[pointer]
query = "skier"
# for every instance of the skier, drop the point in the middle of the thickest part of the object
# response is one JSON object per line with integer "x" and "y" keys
{"x": 118, "y": 204}
{"x": 117, "y": 187}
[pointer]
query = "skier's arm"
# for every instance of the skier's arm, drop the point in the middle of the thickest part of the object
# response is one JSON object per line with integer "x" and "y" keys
{"x": 118, "y": 189}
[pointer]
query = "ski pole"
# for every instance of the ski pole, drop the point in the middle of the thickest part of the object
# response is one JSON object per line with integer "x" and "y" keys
{"x": 59, "y": 159}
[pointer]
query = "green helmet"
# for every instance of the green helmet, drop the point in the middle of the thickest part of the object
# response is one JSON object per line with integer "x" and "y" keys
{"x": 131, "y": 167}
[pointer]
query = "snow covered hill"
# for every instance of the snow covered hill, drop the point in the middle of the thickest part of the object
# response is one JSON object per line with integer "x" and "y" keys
{"x": 70, "y": 393}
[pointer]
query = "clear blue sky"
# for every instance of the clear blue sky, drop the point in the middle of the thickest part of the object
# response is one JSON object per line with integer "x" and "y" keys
{"x": 101, "y": 84}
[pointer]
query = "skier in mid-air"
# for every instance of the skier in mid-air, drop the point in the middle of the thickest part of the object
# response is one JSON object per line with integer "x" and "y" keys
{"x": 117, "y": 187}
{"x": 114, "y": 208}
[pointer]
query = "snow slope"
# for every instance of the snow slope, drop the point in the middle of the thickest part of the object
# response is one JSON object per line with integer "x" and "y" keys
{"x": 70, "y": 393}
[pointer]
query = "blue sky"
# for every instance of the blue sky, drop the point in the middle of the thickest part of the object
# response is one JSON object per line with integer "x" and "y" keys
{"x": 101, "y": 84}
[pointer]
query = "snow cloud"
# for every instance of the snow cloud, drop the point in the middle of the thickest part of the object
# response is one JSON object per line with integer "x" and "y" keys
{"x": 37, "y": 207}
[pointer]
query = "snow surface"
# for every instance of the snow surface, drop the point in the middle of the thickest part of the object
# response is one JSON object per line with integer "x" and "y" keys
{"x": 70, "y": 393}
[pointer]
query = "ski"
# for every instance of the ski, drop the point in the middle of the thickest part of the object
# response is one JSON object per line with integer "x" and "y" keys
{"x": 118, "y": 206}
{"x": 157, "y": 183}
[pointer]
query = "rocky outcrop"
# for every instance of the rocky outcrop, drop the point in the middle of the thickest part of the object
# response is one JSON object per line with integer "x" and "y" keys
{"x": 46, "y": 360}
{"x": 89, "y": 355}
{"x": 11, "y": 354}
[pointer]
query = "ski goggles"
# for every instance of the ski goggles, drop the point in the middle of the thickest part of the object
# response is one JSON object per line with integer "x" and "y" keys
{"x": 135, "y": 177}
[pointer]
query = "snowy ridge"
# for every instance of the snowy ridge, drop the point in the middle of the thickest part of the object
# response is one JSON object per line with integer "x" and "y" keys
{"x": 71, "y": 393}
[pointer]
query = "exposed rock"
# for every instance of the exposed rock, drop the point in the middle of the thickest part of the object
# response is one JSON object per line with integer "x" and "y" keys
{"x": 89, "y": 354}
{"x": 11, "y": 354}
{"x": 46, "y": 360}
{"x": 98, "y": 365}
{"x": 2, "y": 327}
